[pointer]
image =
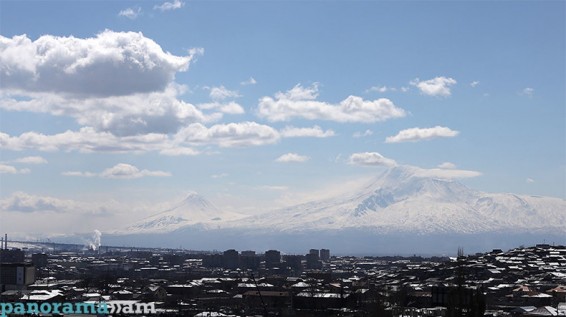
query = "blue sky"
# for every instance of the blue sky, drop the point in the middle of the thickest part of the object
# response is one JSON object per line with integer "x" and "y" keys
{"x": 112, "y": 109}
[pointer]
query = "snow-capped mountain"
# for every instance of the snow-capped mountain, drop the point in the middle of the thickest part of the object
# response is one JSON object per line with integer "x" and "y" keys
{"x": 404, "y": 199}
{"x": 194, "y": 209}
{"x": 406, "y": 209}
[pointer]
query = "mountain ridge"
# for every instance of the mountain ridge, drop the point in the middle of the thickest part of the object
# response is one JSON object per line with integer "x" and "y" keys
{"x": 402, "y": 201}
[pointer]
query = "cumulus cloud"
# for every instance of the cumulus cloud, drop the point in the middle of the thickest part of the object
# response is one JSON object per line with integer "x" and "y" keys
{"x": 292, "y": 158}
{"x": 9, "y": 169}
{"x": 228, "y": 135}
{"x": 228, "y": 108}
{"x": 22, "y": 202}
{"x": 88, "y": 140}
{"x": 31, "y": 160}
{"x": 179, "y": 151}
{"x": 158, "y": 112}
{"x": 300, "y": 102}
{"x": 474, "y": 83}
{"x": 419, "y": 134}
{"x": 221, "y": 93}
{"x": 249, "y": 81}
{"x": 315, "y": 131}
{"x": 129, "y": 171}
{"x": 530, "y": 180}
{"x": 445, "y": 173}
{"x": 120, "y": 82}
{"x": 359, "y": 134}
{"x": 110, "y": 64}
{"x": 168, "y": 6}
{"x": 120, "y": 171}
{"x": 85, "y": 140}
{"x": 438, "y": 86}
{"x": 371, "y": 159}
{"x": 447, "y": 165}
{"x": 130, "y": 13}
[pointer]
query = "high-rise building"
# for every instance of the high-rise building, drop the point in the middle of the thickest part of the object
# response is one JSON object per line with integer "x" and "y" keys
{"x": 272, "y": 258}
{"x": 325, "y": 255}
{"x": 315, "y": 252}
{"x": 313, "y": 262}
{"x": 39, "y": 259}
{"x": 247, "y": 253}
{"x": 249, "y": 260}
{"x": 294, "y": 262}
{"x": 231, "y": 259}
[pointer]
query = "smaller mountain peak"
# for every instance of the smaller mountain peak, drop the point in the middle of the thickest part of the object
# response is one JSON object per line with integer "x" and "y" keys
{"x": 192, "y": 194}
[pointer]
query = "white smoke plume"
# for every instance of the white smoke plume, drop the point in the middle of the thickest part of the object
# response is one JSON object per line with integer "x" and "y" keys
{"x": 95, "y": 242}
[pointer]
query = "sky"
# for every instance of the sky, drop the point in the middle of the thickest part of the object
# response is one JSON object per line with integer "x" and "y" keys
{"x": 112, "y": 110}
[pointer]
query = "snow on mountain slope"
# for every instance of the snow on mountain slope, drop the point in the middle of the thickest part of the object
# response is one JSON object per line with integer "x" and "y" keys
{"x": 194, "y": 209}
{"x": 404, "y": 200}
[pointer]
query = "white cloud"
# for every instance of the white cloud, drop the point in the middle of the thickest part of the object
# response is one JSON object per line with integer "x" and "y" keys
{"x": 130, "y": 13}
{"x": 121, "y": 82}
{"x": 79, "y": 174}
{"x": 228, "y": 135}
{"x": 221, "y": 93}
{"x": 299, "y": 102}
{"x": 359, "y": 134}
{"x": 167, "y": 6}
{"x": 445, "y": 173}
{"x": 228, "y": 108}
{"x": 371, "y": 159}
{"x": 419, "y": 134}
{"x": 292, "y": 157}
{"x": 447, "y": 165}
{"x": 85, "y": 140}
{"x": 529, "y": 92}
{"x": 22, "y": 202}
{"x": 315, "y": 131}
{"x": 381, "y": 89}
{"x": 179, "y": 151}
{"x": 88, "y": 140}
{"x": 474, "y": 83}
{"x": 120, "y": 171}
{"x": 530, "y": 180}
{"x": 249, "y": 81}
{"x": 376, "y": 159}
{"x": 129, "y": 171}
{"x": 439, "y": 86}
{"x": 159, "y": 112}
{"x": 110, "y": 64}
{"x": 31, "y": 160}
{"x": 9, "y": 169}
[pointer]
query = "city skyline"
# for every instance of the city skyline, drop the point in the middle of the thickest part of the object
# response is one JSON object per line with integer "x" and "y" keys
{"x": 113, "y": 111}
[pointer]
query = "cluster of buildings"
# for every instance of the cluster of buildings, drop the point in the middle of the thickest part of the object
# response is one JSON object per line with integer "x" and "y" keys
{"x": 526, "y": 281}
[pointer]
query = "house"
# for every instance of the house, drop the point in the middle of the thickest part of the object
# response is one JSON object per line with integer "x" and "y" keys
{"x": 154, "y": 293}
